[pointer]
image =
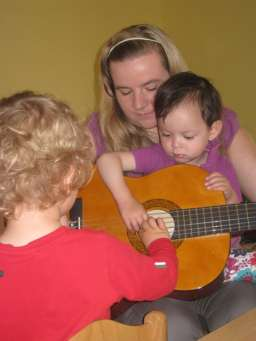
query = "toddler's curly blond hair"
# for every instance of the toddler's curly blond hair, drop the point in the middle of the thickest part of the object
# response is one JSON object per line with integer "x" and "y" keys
{"x": 41, "y": 140}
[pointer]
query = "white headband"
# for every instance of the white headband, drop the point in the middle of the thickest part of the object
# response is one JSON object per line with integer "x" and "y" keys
{"x": 129, "y": 39}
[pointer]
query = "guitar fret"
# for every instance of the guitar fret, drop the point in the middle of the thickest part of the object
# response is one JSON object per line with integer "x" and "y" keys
{"x": 229, "y": 225}
{"x": 246, "y": 213}
{"x": 190, "y": 223}
{"x": 190, "y": 220}
{"x": 184, "y": 224}
{"x": 211, "y": 218}
{"x": 237, "y": 217}
{"x": 196, "y": 217}
{"x": 205, "y": 225}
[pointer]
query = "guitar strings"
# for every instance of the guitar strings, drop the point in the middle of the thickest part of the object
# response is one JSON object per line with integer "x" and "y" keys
{"x": 195, "y": 223}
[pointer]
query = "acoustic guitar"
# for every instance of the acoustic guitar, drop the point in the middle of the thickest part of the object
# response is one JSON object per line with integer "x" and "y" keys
{"x": 198, "y": 220}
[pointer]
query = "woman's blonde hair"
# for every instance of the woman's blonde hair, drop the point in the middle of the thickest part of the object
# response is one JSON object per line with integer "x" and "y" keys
{"x": 119, "y": 133}
{"x": 41, "y": 142}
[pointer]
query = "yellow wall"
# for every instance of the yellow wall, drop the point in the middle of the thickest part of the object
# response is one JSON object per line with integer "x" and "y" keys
{"x": 50, "y": 46}
{"x": 218, "y": 40}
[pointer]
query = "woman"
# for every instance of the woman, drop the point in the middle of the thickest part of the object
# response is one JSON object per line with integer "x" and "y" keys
{"x": 127, "y": 95}
{"x": 134, "y": 63}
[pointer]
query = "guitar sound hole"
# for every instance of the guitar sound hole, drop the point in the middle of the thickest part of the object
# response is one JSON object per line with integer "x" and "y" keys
{"x": 165, "y": 216}
{"x": 156, "y": 208}
{"x": 136, "y": 242}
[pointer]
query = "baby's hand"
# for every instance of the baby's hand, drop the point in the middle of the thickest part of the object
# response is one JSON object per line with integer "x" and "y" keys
{"x": 133, "y": 214}
{"x": 218, "y": 182}
{"x": 151, "y": 230}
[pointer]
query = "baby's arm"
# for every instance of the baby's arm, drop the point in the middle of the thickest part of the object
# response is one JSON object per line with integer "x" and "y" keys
{"x": 111, "y": 167}
{"x": 218, "y": 182}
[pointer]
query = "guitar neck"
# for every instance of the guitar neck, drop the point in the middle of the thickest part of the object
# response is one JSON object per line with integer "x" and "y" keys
{"x": 195, "y": 222}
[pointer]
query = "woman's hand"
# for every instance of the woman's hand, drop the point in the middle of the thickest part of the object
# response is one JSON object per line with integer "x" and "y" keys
{"x": 218, "y": 182}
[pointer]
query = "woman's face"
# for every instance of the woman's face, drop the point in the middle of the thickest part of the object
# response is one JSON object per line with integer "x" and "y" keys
{"x": 136, "y": 81}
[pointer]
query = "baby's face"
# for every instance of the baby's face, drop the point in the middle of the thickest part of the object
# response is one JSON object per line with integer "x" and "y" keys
{"x": 184, "y": 134}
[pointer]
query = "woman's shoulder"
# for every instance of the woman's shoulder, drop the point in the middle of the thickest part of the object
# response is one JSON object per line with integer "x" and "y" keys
{"x": 92, "y": 120}
{"x": 93, "y": 126}
{"x": 229, "y": 113}
{"x": 230, "y": 125}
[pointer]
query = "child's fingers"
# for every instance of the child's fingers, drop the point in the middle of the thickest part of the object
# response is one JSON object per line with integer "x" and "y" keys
{"x": 144, "y": 216}
{"x": 213, "y": 177}
{"x": 161, "y": 224}
{"x": 134, "y": 223}
{"x": 216, "y": 182}
{"x": 149, "y": 223}
{"x": 154, "y": 224}
{"x": 129, "y": 226}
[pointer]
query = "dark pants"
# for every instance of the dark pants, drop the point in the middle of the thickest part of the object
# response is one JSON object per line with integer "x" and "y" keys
{"x": 190, "y": 320}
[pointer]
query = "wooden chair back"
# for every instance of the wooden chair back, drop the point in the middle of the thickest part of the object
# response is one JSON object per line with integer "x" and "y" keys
{"x": 243, "y": 328}
{"x": 154, "y": 328}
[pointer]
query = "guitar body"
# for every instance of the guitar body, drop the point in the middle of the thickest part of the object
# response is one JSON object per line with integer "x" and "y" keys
{"x": 201, "y": 259}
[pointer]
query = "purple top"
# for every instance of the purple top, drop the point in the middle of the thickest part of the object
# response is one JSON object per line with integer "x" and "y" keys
{"x": 230, "y": 127}
{"x": 94, "y": 128}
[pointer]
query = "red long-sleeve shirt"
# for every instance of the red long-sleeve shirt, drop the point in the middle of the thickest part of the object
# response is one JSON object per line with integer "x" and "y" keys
{"x": 56, "y": 285}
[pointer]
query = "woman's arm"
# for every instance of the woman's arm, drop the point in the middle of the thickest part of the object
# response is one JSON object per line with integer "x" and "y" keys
{"x": 242, "y": 154}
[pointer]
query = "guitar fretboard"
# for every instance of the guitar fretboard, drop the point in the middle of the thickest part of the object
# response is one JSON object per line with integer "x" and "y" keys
{"x": 195, "y": 222}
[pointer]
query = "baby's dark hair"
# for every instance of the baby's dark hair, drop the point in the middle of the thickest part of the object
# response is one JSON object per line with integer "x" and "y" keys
{"x": 190, "y": 87}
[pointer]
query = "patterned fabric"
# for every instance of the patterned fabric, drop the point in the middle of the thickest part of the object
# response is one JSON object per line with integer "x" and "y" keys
{"x": 241, "y": 266}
